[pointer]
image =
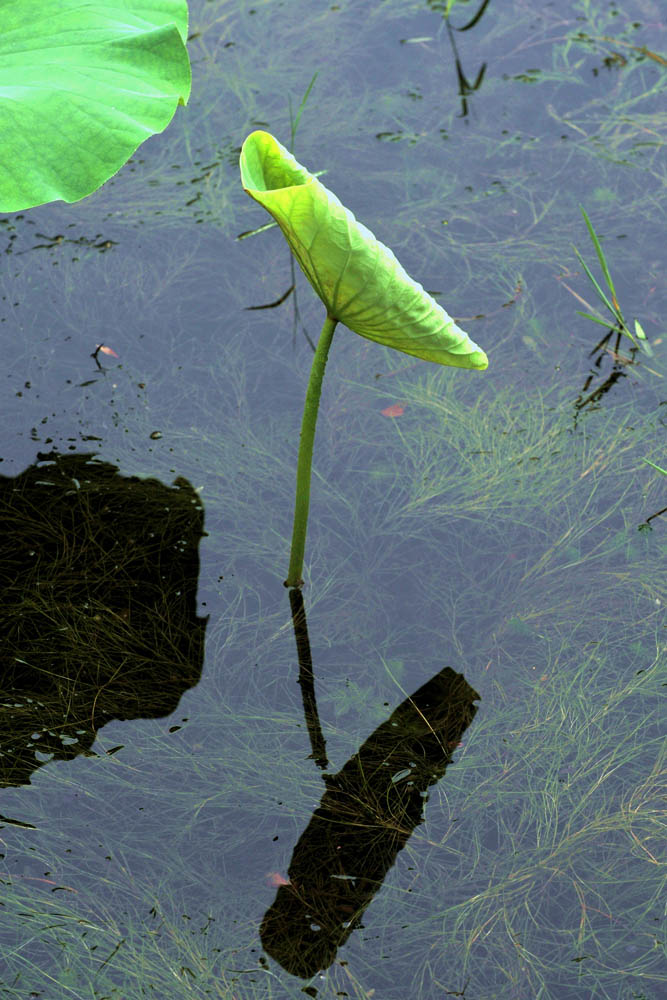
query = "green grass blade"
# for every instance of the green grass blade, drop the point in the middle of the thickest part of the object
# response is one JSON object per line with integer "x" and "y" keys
{"x": 295, "y": 124}
{"x": 599, "y": 251}
{"x": 597, "y": 287}
{"x": 619, "y": 326}
{"x": 598, "y": 319}
{"x": 254, "y": 232}
{"x": 648, "y": 462}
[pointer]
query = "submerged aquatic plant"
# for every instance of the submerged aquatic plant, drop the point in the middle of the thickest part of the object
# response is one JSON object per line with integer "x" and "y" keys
{"x": 360, "y": 282}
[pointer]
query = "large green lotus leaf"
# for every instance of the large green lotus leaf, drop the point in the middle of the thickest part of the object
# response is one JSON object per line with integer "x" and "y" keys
{"x": 82, "y": 84}
{"x": 358, "y": 278}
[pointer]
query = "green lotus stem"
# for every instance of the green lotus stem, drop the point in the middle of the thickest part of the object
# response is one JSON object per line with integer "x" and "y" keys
{"x": 305, "y": 460}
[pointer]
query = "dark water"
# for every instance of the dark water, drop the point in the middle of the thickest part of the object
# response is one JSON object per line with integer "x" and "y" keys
{"x": 159, "y": 781}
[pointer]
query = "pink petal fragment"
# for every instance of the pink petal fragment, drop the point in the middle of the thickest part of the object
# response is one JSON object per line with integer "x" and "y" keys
{"x": 275, "y": 879}
{"x": 395, "y": 410}
{"x": 107, "y": 350}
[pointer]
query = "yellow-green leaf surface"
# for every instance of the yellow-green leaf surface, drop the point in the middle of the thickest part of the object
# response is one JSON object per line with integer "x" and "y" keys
{"x": 358, "y": 278}
{"x": 82, "y": 84}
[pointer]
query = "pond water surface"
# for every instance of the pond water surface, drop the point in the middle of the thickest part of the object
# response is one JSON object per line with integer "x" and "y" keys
{"x": 463, "y": 798}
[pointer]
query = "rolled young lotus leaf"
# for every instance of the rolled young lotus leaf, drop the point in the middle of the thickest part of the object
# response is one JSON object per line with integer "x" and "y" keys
{"x": 358, "y": 278}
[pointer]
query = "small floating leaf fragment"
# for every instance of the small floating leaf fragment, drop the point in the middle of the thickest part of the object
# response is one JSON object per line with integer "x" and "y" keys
{"x": 395, "y": 410}
{"x": 639, "y": 331}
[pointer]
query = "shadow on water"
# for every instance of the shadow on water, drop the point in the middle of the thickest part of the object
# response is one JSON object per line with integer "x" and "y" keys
{"x": 365, "y": 817}
{"x": 466, "y": 87}
{"x": 98, "y": 618}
